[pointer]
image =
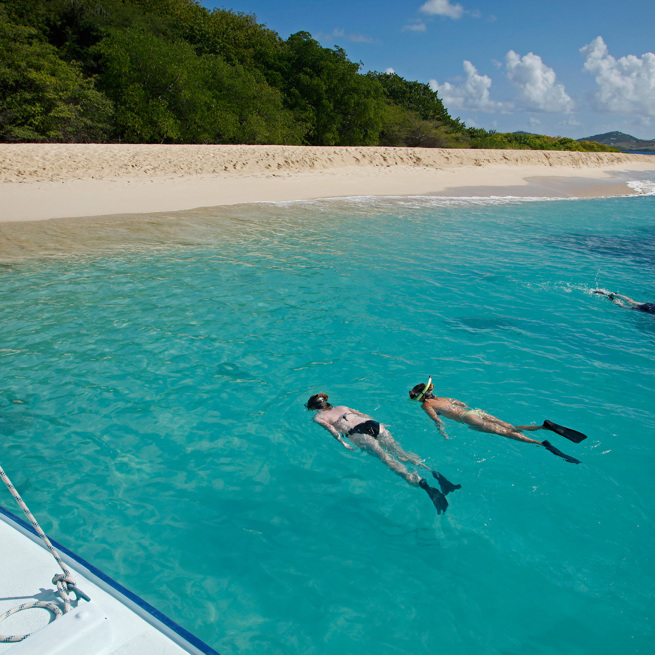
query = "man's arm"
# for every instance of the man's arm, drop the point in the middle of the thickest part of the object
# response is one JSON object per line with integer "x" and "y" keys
{"x": 630, "y": 301}
{"x": 431, "y": 412}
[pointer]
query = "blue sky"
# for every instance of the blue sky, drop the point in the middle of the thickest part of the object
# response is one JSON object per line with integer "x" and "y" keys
{"x": 559, "y": 67}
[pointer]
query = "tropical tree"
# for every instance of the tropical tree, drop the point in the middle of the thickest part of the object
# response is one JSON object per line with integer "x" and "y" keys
{"x": 402, "y": 127}
{"x": 416, "y": 97}
{"x": 165, "y": 92}
{"x": 42, "y": 97}
{"x": 173, "y": 71}
{"x": 325, "y": 90}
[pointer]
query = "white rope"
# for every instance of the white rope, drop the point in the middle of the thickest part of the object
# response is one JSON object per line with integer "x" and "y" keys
{"x": 64, "y": 582}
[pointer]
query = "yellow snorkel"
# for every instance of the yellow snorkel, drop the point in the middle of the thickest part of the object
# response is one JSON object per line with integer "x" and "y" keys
{"x": 425, "y": 389}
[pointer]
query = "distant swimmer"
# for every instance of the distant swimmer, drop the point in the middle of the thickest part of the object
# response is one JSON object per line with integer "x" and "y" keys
{"x": 476, "y": 419}
{"x": 628, "y": 303}
{"x": 373, "y": 437}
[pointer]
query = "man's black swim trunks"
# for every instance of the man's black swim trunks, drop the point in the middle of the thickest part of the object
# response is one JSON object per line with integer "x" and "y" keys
{"x": 372, "y": 428}
{"x": 647, "y": 307}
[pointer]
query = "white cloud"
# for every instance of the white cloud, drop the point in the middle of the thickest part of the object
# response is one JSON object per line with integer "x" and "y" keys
{"x": 537, "y": 85}
{"x": 473, "y": 94}
{"x": 340, "y": 35}
{"x": 572, "y": 122}
{"x": 390, "y": 70}
{"x": 415, "y": 27}
{"x": 625, "y": 85}
{"x": 538, "y": 88}
{"x": 442, "y": 8}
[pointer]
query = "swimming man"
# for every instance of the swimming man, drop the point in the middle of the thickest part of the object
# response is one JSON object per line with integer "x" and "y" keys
{"x": 628, "y": 303}
{"x": 373, "y": 437}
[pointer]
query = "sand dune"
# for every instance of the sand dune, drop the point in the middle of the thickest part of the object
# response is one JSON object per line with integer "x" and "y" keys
{"x": 40, "y": 181}
{"x": 65, "y": 162}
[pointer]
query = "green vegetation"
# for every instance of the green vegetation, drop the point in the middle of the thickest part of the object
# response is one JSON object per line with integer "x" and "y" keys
{"x": 414, "y": 116}
{"x": 43, "y": 97}
{"x": 523, "y": 141}
{"x": 171, "y": 71}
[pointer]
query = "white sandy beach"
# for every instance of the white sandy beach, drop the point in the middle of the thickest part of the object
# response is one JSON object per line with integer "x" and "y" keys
{"x": 45, "y": 181}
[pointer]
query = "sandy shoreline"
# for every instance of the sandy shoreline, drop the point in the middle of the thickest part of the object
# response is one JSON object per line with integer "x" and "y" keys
{"x": 45, "y": 181}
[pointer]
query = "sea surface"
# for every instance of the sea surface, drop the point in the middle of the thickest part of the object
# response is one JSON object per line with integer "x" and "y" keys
{"x": 152, "y": 416}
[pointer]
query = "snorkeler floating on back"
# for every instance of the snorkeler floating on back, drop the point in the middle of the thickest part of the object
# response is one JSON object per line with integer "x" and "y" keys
{"x": 628, "y": 303}
{"x": 436, "y": 407}
{"x": 374, "y": 438}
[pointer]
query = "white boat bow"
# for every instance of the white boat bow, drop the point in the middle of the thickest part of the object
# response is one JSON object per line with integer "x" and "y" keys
{"x": 113, "y": 621}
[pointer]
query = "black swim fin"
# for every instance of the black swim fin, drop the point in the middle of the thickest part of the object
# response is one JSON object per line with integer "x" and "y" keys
{"x": 437, "y": 498}
{"x": 549, "y": 446}
{"x": 446, "y": 485}
{"x": 567, "y": 433}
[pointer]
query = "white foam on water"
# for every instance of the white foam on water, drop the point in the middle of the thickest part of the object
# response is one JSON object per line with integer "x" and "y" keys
{"x": 643, "y": 187}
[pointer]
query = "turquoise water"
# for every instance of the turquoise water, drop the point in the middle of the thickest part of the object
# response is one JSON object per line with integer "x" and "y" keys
{"x": 152, "y": 416}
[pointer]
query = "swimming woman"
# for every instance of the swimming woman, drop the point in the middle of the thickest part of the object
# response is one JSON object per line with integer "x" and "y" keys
{"x": 373, "y": 437}
{"x": 628, "y": 303}
{"x": 476, "y": 419}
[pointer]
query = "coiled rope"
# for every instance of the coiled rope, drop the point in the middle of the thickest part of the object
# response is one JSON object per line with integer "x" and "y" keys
{"x": 64, "y": 582}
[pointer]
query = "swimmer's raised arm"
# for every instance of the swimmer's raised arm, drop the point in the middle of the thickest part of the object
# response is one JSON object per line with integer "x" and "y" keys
{"x": 618, "y": 298}
{"x": 632, "y": 302}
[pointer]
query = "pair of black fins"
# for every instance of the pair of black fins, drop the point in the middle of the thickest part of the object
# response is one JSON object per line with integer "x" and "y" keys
{"x": 567, "y": 433}
{"x": 439, "y": 497}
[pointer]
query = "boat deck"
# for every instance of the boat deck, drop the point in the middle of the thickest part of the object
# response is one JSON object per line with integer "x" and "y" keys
{"x": 115, "y": 620}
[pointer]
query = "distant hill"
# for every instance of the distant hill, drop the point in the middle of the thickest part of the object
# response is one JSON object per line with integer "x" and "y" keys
{"x": 623, "y": 142}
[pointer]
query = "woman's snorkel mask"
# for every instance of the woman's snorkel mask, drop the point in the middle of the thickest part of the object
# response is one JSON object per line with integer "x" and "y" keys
{"x": 413, "y": 395}
{"x": 317, "y": 402}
